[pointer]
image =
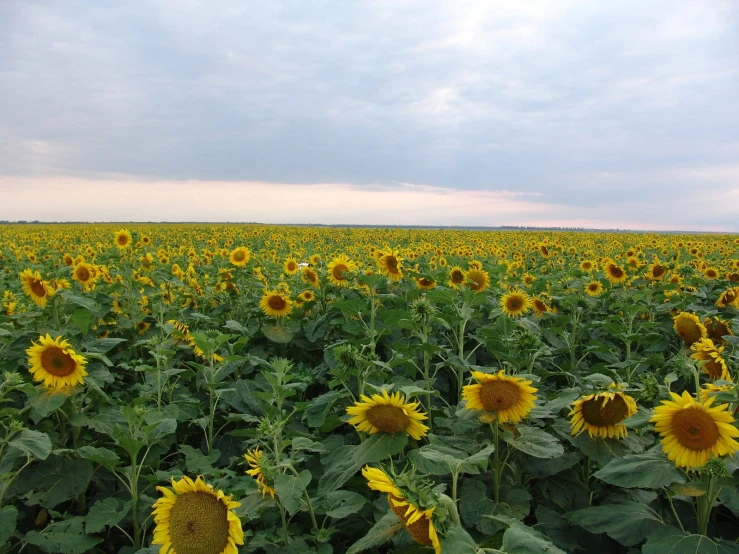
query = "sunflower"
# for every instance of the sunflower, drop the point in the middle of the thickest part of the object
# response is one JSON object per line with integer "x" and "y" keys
{"x": 307, "y": 296}
{"x": 424, "y": 283}
{"x": 83, "y": 274}
{"x": 477, "y": 279}
{"x": 717, "y": 329}
{"x": 388, "y": 414}
{"x": 53, "y": 362}
{"x": 276, "y": 303}
{"x": 689, "y": 327}
{"x": 35, "y": 287}
{"x": 310, "y": 276}
{"x": 456, "y": 277}
{"x": 239, "y": 256}
{"x": 709, "y": 389}
{"x": 728, "y": 298}
{"x": 417, "y": 520}
{"x": 711, "y": 273}
{"x": 614, "y": 273}
{"x": 715, "y": 365}
{"x": 337, "y": 270}
{"x": 390, "y": 264}
{"x": 692, "y": 431}
{"x": 193, "y": 518}
{"x": 600, "y": 414}
{"x": 516, "y": 303}
{"x": 122, "y": 239}
{"x": 656, "y": 271}
{"x": 504, "y": 398}
{"x": 290, "y": 266}
{"x": 255, "y": 458}
{"x": 586, "y": 265}
{"x": 594, "y": 288}
{"x": 539, "y": 306}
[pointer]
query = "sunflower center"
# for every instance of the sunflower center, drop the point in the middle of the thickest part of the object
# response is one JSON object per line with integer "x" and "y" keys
{"x": 83, "y": 274}
{"x": 688, "y": 331}
{"x": 592, "y": 287}
{"x": 291, "y": 266}
{"x": 392, "y": 263}
{"x": 695, "y": 429}
{"x": 457, "y": 276}
{"x": 514, "y": 304}
{"x": 239, "y": 256}
{"x": 658, "y": 271}
{"x": 338, "y": 271}
{"x": 388, "y": 419}
{"x": 57, "y": 362}
{"x": 425, "y": 282}
{"x": 277, "y": 303}
{"x": 38, "y": 288}
{"x": 122, "y": 240}
{"x": 597, "y": 412}
{"x": 419, "y": 530}
{"x": 198, "y": 524}
{"x": 616, "y": 271}
{"x": 497, "y": 396}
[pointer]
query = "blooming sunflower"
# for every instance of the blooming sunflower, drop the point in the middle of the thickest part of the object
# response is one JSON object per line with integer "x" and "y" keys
{"x": 424, "y": 283}
{"x": 255, "y": 458}
{"x": 390, "y": 264}
{"x": 35, "y": 287}
{"x": 456, "y": 277}
{"x": 388, "y": 414}
{"x": 417, "y": 520}
{"x": 656, "y": 271}
{"x": 239, "y": 256}
{"x": 337, "y": 270}
{"x": 728, "y": 297}
{"x": 122, "y": 239}
{"x": 83, "y": 274}
{"x": 689, "y": 327}
{"x": 715, "y": 365}
{"x": 692, "y": 431}
{"x": 539, "y": 306}
{"x": 290, "y": 266}
{"x": 600, "y": 414}
{"x": 307, "y": 296}
{"x": 502, "y": 397}
{"x": 614, "y": 273}
{"x": 310, "y": 276}
{"x": 717, "y": 329}
{"x": 594, "y": 288}
{"x": 516, "y": 303}
{"x": 193, "y": 518}
{"x": 709, "y": 389}
{"x": 276, "y": 303}
{"x": 477, "y": 279}
{"x": 55, "y": 363}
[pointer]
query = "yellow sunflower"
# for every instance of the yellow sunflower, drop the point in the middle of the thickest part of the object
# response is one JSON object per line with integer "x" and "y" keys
{"x": 717, "y": 329}
{"x": 477, "y": 279}
{"x": 689, "y": 327}
{"x": 307, "y": 296}
{"x": 692, "y": 431}
{"x": 456, "y": 277}
{"x": 656, "y": 271}
{"x": 424, "y": 283}
{"x": 55, "y": 363}
{"x": 539, "y": 306}
{"x": 391, "y": 265}
{"x": 83, "y": 274}
{"x": 594, "y": 288}
{"x": 728, "y": 298}
{"x": 338, "y": 269}
{"x": 276, "y": 303}
{"x": 255, "y": 458}
{"x": 193, "y": 518}
{"x": 709, "y": 389}
{"x": 417, "y": 521}
{"x": 715, "y": 365}
{"x": 310, "y": 276}
{"x": 290, "y": 267}
{"x": 35, "y": 287}
{"x": 122, "y": 239}
{"x": 516, "y": 303}
{"x": 239, "y": 256}
{"x": 600, "y": 414}
{"x": 502, "y": 397}
{"x": 614, "y": 273}
{"x": 388, "y": 414}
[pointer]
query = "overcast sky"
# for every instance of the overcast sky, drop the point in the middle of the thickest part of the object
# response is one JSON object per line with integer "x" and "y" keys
{"x": 605, "y": 114}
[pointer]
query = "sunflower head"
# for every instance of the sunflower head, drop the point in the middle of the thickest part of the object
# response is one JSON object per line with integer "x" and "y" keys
{"x": 239, "y": 256}
{"x": 689, "y": 327}
{"x": 55, "y": 363}
{"x": 456, "y": 277}
{"x": 261, "y": 470}
{"x": 516, "y": 303}
{"x": 692, "y": 431}
{"x": 614, "y": 273}
{"x": 291, "y": 267}
{"x": 35, "y": 287}
{"x": 601, "y": 414}
{"x": 122, "y": 239}
{"x": 478, "y": 280}
{"x": 502, "y": 398}
{"x": 276, "y": 303}
{"x": 713, "y": 363}
{"x": 391, "y": 265}
{"x": 717, "y": 329}
{"x": 193, "y": 518}
{"x": 388, "y": 414}
{"x": 594, "y": 288}
{"x": 340, "y": 270}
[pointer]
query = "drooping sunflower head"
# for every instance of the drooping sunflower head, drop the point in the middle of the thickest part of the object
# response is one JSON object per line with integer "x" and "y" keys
{"x": 717, "y": 329}
{"x": 424, "y": 283}
{"x": 539, "y": 306}
{"x": 713, "y": 364}
{"x": 239, "y": 256}
{"x": 478, "y": 280}
{"x": 310, "y": 276}
{"x": 601, "y": 414}
{"x": 122, "y": 239}
{"x": 502, "y": 398}
{"x": 689, "y": 327}
{"x": 456, "y": 277}
{"x": 54, "y": 363}
{"x": 35, "y": 287}
{"x": 388, "y": 414}
{"x": 516, "y": 303}
{"x": 193, "y": 518}
{"x": 728, "y": 298}
{"x": 692, "y": 431}
{"x": 260, "y": 469}
{"x": 594, "y": 288}
{"x": 276, "y": 303}
{"x": 339, "y": 271}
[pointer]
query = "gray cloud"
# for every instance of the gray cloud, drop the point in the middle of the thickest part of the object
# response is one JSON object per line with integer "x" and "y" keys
{"x": 586, "y": 103}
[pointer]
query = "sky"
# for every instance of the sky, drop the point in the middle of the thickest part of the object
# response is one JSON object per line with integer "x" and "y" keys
{"x": 484, "y": 113}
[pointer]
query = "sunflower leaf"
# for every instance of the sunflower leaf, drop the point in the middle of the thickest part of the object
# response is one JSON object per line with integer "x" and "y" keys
{"x": 8, "y": 516}
{"x": 106, "y": 513}
{"x": 67, "y": 537}
{"x": 33, "y": 443}
{"x": 671, "y": 540}
{"x": 290, "y": 489}
{"x": 650, "y": 470}
{"x": 535, "y": 442}
{"x": 381, "y": 532}
{"x": 627, "y": 522}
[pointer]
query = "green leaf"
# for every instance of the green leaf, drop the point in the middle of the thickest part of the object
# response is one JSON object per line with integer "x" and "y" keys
{"x": 64, "y": 537}
{"x": 671, "y": 540}
{"x": 627, "y": 522}
{"x": 535, "y": 442}
{"x": 343, "y": 503}
{"x": 197, "y": 462}
{"x": 106, "y": 345}
{"x": 48, "y": 402}
{"x": 650, "y": 470}
{"x": 54, "y": 480}
{"x": 8, "y": 516}
{"x": 379, "y": 447}
{"x": 103, "y": 456}
{"x": 106, "y": 513}
{"x": 381, "y": 532}
{"x": 82, "y": 319}
{"x": 290, "y": 489}
{"x": 236, "y": 326}
{"x": 33, "y": 443}
{"x": 318, "y": 409}
{"x": 458, "y": 541}
{"x": 275, "y": 333}
{"x": 519, "y": 539}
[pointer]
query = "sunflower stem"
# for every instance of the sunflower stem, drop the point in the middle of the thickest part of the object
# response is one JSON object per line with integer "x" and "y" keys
{"x": 674, "y": 512}
{"x": 496, "y": 461}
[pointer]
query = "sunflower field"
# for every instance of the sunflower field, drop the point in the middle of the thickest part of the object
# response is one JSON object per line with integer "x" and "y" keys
{"x": 223, "y": 389}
